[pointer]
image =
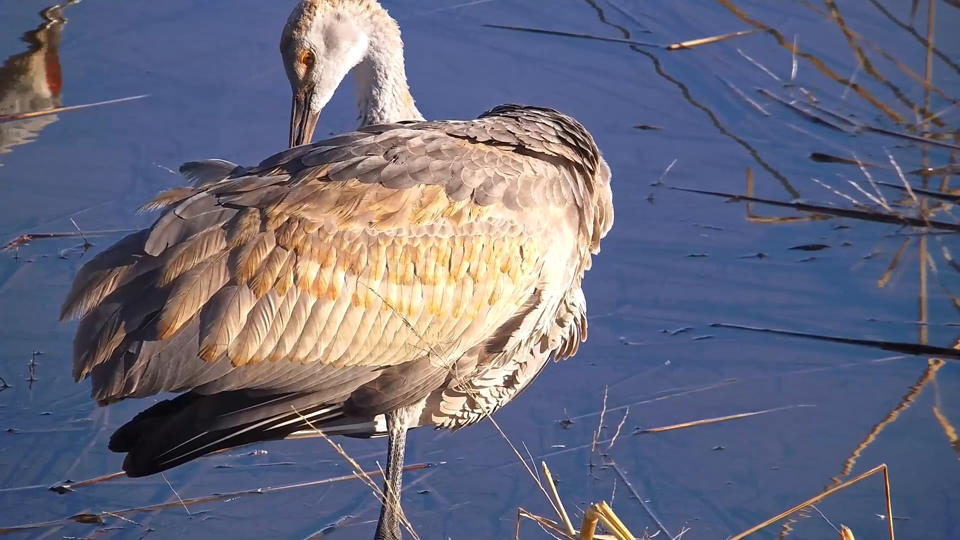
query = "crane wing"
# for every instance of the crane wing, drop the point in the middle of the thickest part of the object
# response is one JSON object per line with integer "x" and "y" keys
{"x": 371, "y": 250}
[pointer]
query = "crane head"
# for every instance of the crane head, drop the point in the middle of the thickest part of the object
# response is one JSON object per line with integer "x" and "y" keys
{"x": 321, "y": 42}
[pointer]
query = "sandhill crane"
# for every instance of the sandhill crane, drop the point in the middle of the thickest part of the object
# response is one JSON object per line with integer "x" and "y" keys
{"x": 403, "y": 275}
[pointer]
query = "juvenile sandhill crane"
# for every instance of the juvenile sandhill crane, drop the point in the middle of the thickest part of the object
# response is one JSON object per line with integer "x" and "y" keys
{"x": 403, "y": 275}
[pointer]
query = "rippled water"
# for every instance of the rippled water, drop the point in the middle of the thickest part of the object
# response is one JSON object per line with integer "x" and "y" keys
{"x": 673, "y": 260}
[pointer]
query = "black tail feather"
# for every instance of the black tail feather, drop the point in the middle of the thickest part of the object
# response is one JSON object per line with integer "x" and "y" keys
{"x": 192, "y": 425}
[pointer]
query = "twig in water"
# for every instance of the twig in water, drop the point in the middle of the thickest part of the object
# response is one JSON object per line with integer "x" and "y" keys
{"x": 876, "y": 216}
{"x": 556, "y": 496}
{"x": 716, "y": 420}
{"x": 659, "y": 181}
{"x": 596, "y": 434}
{"x": 743, "y": 96}
{"x": 34, "y": 114}
{"x": 175, "y": 493}
{"x": 882, "y": 201}
{"x": 704, "y": 41}
{"x": 795, "y": 107}
{"x": 92, "y": 518}
{"x": 759, "y": 65}
{"x": 896, "y": 167}
{"x": 825, "y": 518}
{"x": 86, "y": 243}
{"x": 793, "y": 70}
{"x": 872, "y": 198}
{"x": 32, "y": 367}
{"x": 570, "y": 34}
{"x": 643, "y": 503}
{"x": 128, "y": 520}
{"x": 837, "y": 193}
{"x": 827, "y": 493}
{"x": 547, "y": 525}
{"x": 820, "y": 157}
{"x": 67, "y": 487}
{"x": 916, "y": 349}
{"x": 25, "y": 239}
{"x": 619, "y": 427}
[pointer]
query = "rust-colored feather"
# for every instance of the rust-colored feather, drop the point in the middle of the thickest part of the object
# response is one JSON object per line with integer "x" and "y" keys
{"x": 252, "y": 255}
{"x": 190, "y": 292}
{"x": 167, "y": 198}
{"x": 243, "y": 228}
{"x": 266, "y": 276}
{"x": 222, "y": 319}
{"x": 189, "y": 254}
{"x": 243, "y": 349}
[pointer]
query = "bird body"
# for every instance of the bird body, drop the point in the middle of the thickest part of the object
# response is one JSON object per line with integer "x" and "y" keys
{"x": 407, "y": 274}
{"x": 435, "y": 264}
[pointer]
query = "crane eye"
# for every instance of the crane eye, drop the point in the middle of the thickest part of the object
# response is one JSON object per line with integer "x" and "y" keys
{"x": 306, "y": 58}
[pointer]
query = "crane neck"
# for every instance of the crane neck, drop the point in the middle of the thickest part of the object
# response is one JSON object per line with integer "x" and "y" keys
{"x": 383, "y": 95}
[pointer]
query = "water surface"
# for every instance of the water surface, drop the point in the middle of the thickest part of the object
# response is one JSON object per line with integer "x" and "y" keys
{"x": 673, "y": 260}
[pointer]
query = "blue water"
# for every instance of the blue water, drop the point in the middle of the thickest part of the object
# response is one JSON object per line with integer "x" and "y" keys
{"x": 216, "y": 89}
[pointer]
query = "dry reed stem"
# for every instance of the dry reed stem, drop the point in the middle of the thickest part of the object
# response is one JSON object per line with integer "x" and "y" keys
{"x": 619, "y": 427}
{"x": 65, "y": 487}
{"x": 643, "y": 503}
{"x": 837, "y": 192}
{"x": 915, "y": 349}
{"x": 91, "y": 517}
{"x": 715, "y": 420}
{"x": 589, "y": 525}
{"x": 34, "y": 114}
{"x": 612, "y": 522}
{"x": 550, "y": 527}
{"x": 596, "y": 434}
{"x": 559, "y": 503}
{"x": 830, "y": 523}
{"x": 846, "y": 533}
{"x": 879, "y": 199}
{"x": 169, "y": 485}
{"x": 879, "y": 468}
{"x": 814, "y": 61}
{"x": 707, "y": 40}
{"x": 793, "y": 55}
{"x": 800, "y": 110}
{"x": 863, "y": 215}
{"x": 744, "y": 97}
{"x": 903, "y": 179}
{"x": 573, "y": 35}
{"x": 25, "y": 239}
{"x": 602, "y": 513}
{"x": 759, "y": 65}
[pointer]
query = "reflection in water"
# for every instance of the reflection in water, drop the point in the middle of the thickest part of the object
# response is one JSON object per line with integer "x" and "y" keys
{"x": 690, "y": 99}
{"x": 30, "y": 82}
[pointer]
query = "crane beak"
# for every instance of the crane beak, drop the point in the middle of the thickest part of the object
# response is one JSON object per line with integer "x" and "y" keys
{"x": 303, "y": 121}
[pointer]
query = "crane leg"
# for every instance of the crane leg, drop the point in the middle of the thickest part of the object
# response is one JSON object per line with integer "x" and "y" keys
{"x": 388, "y": 528}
